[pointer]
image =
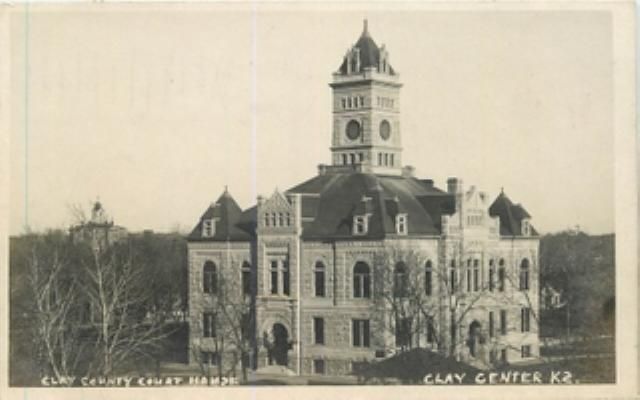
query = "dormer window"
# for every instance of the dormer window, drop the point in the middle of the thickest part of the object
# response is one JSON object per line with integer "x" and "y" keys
{"x": 360, "y": 225}
{"x": 208, "y": 227}
{"x": 401, "y": 224}
{"x": 526, "y": 227}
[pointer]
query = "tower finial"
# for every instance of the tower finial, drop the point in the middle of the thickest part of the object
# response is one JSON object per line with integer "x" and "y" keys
{"x": 365, "y": 28}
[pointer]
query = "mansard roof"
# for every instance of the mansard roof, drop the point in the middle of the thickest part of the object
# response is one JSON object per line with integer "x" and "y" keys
{"x": 511, "y": 216}
{"x": 231, "y": 222}
{"x": 338, "y": 197}
{"x": 329, "y": 203}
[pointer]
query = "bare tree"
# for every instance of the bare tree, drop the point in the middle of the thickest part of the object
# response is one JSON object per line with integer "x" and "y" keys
{"x": 233, "y": 320}
{"x": 54, "y": 291}
{"x": 406, "y": 300}
{"x": 124, "y": 321}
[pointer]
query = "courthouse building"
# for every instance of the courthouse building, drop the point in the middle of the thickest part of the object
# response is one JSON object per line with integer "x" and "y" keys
{"x": 313, "y": 262}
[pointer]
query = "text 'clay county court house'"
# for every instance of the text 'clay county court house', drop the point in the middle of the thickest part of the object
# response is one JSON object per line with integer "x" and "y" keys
{"x": 365, "y": 259}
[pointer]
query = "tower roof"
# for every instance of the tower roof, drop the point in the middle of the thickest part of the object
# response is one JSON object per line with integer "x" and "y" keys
{"x": 228, "y": 216}
{"x": 511, "y": 215}
{"x": 369, "y": 52}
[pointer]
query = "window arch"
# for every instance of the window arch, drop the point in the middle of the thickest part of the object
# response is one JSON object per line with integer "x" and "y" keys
{"x": 428, "y": 278}
{"x": 400, "y": 280}
{"x": 210, "y": 278}
{"x": 361, "y": 280}
{"x": 319, "y": 274}
{"x": 501, "y": 275}
{"x": 524, "y": 274}
{"x": 246, "y": 278}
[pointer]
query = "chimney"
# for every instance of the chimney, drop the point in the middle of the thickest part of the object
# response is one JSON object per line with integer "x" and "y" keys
{"x": 428, "y": 183}
{"x": 322, "y": 169}
{"x": 408, "y": 171}
{"x": 454, "y": 185}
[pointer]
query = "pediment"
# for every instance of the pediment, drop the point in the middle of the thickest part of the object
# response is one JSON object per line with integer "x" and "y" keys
{"x": 277, "y": 202}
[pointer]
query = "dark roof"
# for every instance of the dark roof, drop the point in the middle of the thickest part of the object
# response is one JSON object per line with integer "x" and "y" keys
{"x": 331, "y": 201}
{"x": 511, "y": 216}
{"x": 341, "y": 196}
{"x": 231, "y": 222}
{"x": 369, "y": 52}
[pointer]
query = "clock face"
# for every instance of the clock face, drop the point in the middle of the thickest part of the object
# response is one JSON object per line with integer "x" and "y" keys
{"x": 353, "y": 129}
{"x": 385, "y": 129}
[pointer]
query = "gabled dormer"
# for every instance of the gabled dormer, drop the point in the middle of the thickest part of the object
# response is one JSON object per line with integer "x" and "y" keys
{"x": 361, "y": 216}
{"x": 276, "y": 213}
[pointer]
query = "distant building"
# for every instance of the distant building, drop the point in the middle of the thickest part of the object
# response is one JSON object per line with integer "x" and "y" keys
{"x": 307, "y": 256}
{"x": 550, "y": 298}
{"x": 99, "y": 230}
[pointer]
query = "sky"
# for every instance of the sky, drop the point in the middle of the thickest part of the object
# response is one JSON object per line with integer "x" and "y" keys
{"x": 155, "y": 111}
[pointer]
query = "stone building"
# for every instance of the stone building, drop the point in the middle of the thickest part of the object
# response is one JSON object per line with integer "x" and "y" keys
{"x": 324, "y": 267}
{"x": 99, "y": 230}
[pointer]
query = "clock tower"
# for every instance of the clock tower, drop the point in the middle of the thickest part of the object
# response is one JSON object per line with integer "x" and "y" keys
{"x": 366, "y": 110}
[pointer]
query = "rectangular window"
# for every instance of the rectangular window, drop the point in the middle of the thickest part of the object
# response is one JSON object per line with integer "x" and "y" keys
{"x": 208, "y": 325}
{"x": 492, "y": 277}
{"x": 359, "y": 225}
{"x": 285, "y": 278}
{"x": 207, "y": 228}
{"x": 401, "y": 224}
{"x": 319, "y": 282}
{"x": 246, "y": 281}
{"x": 428, "y": 282}
{"x": 501, "y": 279}
{"x": 503, "y": 356}
{"x": 503, "y": 322}
{"x": 318, "y": 367}
{"x": 431, "y": 330}
{"x": 476, "y": 275}
{"x": 452, "y": 280}
{"x": 274, "y": 277}
{"x": 525, "y": 315}
{"x": 360, "y": 332}
{"x": 344, "y": 103}
{"x": 468, "y": 280}
{"x": 493, "y": 356}
{"x": 525, "y": 351}
{"x": 318, "y": 330}
{"x": 245, "y": 326}
{"x": 379, "y": 158}
{"x": 491, "y": 325}
{"x": 403, "y": 332}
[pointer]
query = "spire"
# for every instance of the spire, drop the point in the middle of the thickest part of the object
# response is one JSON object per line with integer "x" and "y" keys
{"x": 365, "y": 28}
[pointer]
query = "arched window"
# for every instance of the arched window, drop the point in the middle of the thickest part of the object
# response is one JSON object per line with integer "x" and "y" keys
{"x": 400, "y": 280}
{"x": 246, "y": 278}
{"x": 501, "y": 275}
{"x": 319, "y": 277}
{"x": 428, "y": 278}
{"x": 524, "y": 274}
{"x": 209, "y": 278}
{"x": 361, "y": 280}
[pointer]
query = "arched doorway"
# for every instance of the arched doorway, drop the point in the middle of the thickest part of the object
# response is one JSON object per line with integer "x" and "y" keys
{"x": 475, "y": 338}
{"x": 280, "y": 345}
